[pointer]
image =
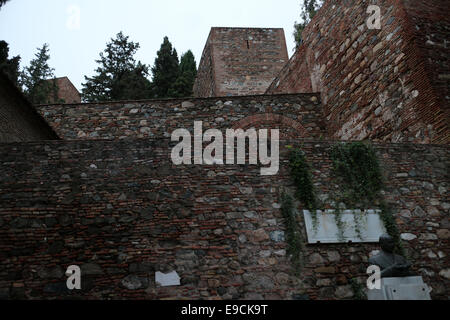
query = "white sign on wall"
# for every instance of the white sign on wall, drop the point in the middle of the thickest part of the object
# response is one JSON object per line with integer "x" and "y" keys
{"x": 167, "y": 280}
{"x": 355, "y": 226}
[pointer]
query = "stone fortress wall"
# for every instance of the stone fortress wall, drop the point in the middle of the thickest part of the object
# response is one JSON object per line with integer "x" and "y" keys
{"x": 122, "y": 211}
{"x": 109, "y": 199}
{"x": 298, "y": 115}
{"x": 389, "y": 84}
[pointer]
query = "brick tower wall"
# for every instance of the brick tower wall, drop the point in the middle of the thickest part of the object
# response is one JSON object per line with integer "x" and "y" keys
{"x": 384, "y": 84}
{"x": 240, "y": 61}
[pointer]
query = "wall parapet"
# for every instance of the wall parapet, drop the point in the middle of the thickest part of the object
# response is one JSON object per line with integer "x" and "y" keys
{"x": 159, "y": 118}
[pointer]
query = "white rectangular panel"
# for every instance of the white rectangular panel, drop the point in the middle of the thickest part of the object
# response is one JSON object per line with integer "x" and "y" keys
{"x": 326, "y": 229}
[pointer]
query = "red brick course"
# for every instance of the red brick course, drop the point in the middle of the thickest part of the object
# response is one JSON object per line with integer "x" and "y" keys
{"x": 389, "y": 84}
{"x": 240, "y": 61}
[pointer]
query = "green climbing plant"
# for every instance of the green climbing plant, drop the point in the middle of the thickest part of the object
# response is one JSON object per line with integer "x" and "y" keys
{"x": 358, "y": 289}
{"x": 303, "y": 180}
{"x": 293, "y": 234}
{"x": 356, "y": 168}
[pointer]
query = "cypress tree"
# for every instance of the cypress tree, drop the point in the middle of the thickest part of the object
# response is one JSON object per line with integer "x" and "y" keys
{"x": 165, "y": 70}
{"x": 184, "y": 84}
{"x": 2, "y": 2}
{"x": 10, "y": 67}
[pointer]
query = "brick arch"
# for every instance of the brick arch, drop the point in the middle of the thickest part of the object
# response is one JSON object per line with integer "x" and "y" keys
{"x": 272, "y": 119}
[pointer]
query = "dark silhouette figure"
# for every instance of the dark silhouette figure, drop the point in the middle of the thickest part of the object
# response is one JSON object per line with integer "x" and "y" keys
{"x": 392, "y": 265}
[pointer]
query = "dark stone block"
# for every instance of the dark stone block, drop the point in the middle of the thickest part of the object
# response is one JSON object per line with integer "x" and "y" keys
{"x": 19, "y": 223}
{"x": 297, "y": 296}
{"x": 126, "y": 219}
{"x": 110, "y": 220}
{"x": 115, "y": 271}
{"x": 153, "y": 196}
{"x": 56, "y": 247}
{"x": 189, "y": 280}
{"x": 50, "y": 222}
{"x": 147, "y": 213}
{"x": 87, "y": 284}
{"x": 200, "y": 253}
{"x": 13, "y": 275}
{"x": 59, "y": 288}
{"x": 91, "y": 269}
{"x": 18, "y": 293}
{"x": 188, "y": 195}
{"x": 65, "y": 220}
{"x": 18, "y": 252}
{"x": 68, "y": 199}
{"x": 222, "y": 291}
{"x": 166, "y": 244}
{"x": 93, "y": 230}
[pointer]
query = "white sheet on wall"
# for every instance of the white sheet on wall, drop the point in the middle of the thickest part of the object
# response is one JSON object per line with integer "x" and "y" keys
{"x": 326, "y": 231}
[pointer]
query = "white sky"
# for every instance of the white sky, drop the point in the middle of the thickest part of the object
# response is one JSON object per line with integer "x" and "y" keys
{"x": 27, "y": 24}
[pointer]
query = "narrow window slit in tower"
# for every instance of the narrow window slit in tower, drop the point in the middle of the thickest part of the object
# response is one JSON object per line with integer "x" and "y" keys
{"x": 248, "y": 45}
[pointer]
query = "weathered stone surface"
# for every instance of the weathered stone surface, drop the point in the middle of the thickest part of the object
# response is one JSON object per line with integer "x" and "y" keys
{"x": 277, "y": 236}
{"x": 133, "y": 282}
{"x": 333, "y": 256}
{"x": 345, "y": 71}
{"x": 344, "y": 292}
{"x": 91, "y": 269}
{"x": 443, "y": 234}
{"x": 229, "y": 69}
{"x": 59, "y": 288}
{"x": 50, "y": 273}
{"x": 325, "y": 270}
{"x": 408, "y": 236}
{"x": 171, "y": 230}
{"x": 316, "y": 258}
{"x": 282, "y": 278}
{"x": 259, "y": 235}
{"x": 445, "y": 273}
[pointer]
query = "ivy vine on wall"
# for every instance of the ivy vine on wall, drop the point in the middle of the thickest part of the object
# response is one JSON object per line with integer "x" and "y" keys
{"x": 302, "y": 177}
{"x": 293, "y": 234}
{"x": 358, "y": 173}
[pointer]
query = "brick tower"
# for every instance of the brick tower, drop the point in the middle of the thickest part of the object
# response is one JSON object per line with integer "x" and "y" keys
{"x": 240, "y": 61}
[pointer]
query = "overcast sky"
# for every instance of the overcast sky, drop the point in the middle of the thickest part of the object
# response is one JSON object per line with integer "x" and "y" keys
{"x": 74, "y": 47}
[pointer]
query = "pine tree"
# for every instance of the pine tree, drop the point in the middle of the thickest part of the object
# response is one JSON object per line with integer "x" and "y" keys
{"x": 2, "y": 2}
{"x": 32, "y": 79}
{"x": 165, "y": 70}
{"x": 10, "y": 67}
{"x": 119, "y": 76}
{"x": 309, "y": 10}
{"x": 183, "y": 86}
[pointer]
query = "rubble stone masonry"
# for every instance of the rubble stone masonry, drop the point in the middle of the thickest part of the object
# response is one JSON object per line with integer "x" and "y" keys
{"x": 122, "y": 211}
{"x": 389, "y": 84}
{"x": 297, "y": 115}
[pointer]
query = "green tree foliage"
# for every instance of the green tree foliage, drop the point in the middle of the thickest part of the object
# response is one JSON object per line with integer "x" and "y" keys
{"x": 119, "y": 76}
{"x": 32, "y": 78}
{"x": 165, "y": 70}
{"x": 309, "y": 10}
{"x": 10, "y": 67}
{"x": 184, "y": 84}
